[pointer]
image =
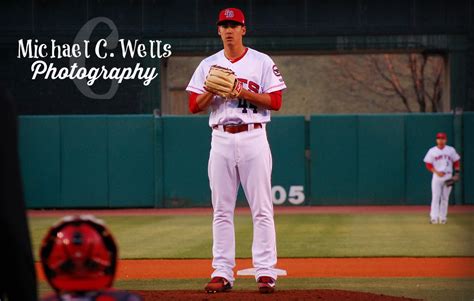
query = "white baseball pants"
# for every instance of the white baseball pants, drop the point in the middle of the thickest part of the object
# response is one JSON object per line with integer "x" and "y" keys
{"x": 440, "y": 197}
{"x": 242, "y": 158}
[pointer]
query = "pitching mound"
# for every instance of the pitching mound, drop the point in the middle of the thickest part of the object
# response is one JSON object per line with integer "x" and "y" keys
{"x": 284, "y": 295}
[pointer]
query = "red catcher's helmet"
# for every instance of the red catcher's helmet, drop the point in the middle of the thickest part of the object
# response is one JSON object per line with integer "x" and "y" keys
{"x": 79, "y": 254}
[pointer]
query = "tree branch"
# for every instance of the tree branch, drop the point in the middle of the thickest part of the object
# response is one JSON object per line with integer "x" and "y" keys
{"x": 393, "y": 80}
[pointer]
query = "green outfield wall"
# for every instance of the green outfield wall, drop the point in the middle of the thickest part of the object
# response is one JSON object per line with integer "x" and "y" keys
{"x": 112, "y": 161}
{"x": 468, "y": 154}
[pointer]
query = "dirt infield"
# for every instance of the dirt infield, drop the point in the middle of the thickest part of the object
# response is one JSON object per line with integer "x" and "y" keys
{"x": 438, "y": 267}
{"x": 287, "y": 295}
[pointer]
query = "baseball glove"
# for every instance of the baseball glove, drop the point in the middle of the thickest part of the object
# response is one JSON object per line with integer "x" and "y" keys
{"x": 223, "y": 82}
{"x": 450, "y": 182}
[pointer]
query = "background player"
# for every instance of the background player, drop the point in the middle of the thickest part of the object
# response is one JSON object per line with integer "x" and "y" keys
{"x": 439, "y": 160}
{"x": 79, "y": 259}
{"x": 239, "y": 152}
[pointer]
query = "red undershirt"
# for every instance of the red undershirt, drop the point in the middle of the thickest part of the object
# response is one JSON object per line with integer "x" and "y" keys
{"x": 276, "y": 98}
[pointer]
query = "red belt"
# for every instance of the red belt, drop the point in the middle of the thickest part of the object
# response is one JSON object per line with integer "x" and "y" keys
{"x": 238, "y": 128}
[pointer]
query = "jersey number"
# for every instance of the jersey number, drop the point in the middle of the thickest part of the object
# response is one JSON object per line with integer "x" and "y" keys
{"x": 245, "y": 105}
{"x": 254, "y": 87}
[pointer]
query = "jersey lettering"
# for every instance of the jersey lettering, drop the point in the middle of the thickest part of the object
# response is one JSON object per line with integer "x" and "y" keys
{"x": 243, "y": 103}
{"x": 254, "y": 87}
{"x": 442, "y": 159}
{"x": 258, "y": 74}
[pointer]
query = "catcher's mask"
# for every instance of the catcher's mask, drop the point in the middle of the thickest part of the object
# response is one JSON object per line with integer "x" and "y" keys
{"x": 79, "y": 254}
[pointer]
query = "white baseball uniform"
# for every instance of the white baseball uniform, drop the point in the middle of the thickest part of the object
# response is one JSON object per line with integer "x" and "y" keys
{"x": 244, "y": 158}
{"x": 442, "y": 160}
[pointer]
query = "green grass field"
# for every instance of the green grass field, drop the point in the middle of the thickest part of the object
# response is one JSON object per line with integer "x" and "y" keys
{"x": 300, "y": 235}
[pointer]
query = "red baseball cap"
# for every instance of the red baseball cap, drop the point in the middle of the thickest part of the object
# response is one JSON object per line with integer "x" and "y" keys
{"x": 231, "y": 14}
{"x": 441, "y": 135}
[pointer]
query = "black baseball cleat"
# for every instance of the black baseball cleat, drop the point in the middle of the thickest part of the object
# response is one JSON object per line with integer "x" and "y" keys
{"x": 266, "y": 285}
{"x": 218, "y": 285}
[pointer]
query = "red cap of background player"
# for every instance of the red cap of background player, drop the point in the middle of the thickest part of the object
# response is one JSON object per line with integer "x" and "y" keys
{"x": 231, "y": 14}
{"x": 441, "y": 136}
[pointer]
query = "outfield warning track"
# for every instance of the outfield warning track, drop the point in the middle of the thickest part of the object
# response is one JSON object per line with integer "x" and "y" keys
{"x": 395, "y": 209}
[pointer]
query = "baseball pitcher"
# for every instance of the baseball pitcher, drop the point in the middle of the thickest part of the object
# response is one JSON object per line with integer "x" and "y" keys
{"x": 240, "y": 86}
{"x": 440, "y": 160}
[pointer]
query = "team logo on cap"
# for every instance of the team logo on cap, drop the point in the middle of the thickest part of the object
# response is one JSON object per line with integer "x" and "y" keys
{"x": 229, "y": 13}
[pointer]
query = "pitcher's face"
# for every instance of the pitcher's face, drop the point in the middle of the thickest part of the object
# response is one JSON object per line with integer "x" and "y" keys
{"x": 231, "y": 33}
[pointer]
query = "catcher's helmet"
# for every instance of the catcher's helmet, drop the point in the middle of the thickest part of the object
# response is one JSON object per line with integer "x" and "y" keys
{"x": 79, "y": 254}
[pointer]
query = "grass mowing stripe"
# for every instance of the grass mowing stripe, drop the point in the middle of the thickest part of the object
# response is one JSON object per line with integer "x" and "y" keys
{"x": 303, "y": 235}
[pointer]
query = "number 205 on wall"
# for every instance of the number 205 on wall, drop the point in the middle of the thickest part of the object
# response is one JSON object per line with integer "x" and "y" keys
{"x": 295, "y": 195}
